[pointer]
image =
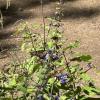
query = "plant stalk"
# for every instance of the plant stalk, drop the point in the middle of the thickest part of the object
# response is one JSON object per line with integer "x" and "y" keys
{"x": 43, "y": 19}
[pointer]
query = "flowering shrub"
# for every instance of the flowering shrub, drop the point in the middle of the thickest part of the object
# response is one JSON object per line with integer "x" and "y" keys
{"x": 52, "y": 72}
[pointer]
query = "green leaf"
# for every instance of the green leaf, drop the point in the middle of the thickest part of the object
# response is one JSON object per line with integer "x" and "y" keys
{"x": 20, "y": 87}
{"x": 63, "y": 98}
{"x": 12, "y": 82}
{"x": 32, "y": 64}
{"x": 85, "y": 58}
{"x": 96, "y": 91}
{"x": 60, "y": 62}
{"x": 55, "y": 34}
{"x": 51, "y": 80}
{"x": 50, "y": 45}
{"x": 46, "y": 97}
{"x": 30, "y": 90}
{"x": 85, "y": 77}
{"x": 82, "y": 97}
{"x": 73, "y": 45}
{"x": 73, "y": 70}
{"x": 89, "y": 90}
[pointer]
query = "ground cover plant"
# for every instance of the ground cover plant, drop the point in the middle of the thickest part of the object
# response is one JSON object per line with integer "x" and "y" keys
{"x": 53, "y": 71}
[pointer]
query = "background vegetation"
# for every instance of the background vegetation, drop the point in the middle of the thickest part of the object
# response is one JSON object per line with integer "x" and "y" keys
{"x": 53, "y": 70}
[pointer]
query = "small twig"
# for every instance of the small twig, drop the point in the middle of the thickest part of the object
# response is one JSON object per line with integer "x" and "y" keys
{"x": 87, "y": 70}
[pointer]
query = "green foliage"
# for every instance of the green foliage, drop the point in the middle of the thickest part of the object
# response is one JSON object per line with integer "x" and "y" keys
{"x": 55, "y": 73}
{"x": 73, "y": 45}
{"x": 84, "y": 57}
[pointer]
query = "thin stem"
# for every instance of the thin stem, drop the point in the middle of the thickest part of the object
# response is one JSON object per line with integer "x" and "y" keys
{"x": 52, "y": 89}
{"x": 43, "y": 19}
{"x": 67, "y": 64}
{"x": 87, "y": 70}
{"x": 12, "y": 97}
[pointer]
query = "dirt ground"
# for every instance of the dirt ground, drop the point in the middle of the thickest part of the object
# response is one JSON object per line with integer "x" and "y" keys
{"x": 81, "y": 21}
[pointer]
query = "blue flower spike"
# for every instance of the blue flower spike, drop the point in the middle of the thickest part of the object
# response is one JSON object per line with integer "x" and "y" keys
{"x": 62, "y": 78}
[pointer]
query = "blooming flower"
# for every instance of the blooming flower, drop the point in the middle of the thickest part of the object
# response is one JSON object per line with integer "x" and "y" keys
{"x": 57, "y": 98}
{"x": 62, "y": 78}
{"x": 47, "y": 57}
{"x": 89, "y": 65}
{"x": 55, "y": 57}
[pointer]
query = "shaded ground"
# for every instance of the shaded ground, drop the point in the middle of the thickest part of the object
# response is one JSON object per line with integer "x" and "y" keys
{"x": 81, "y": 21}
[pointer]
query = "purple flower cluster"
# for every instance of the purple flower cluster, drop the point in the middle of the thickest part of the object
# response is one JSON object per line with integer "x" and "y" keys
{"x": 51, "y": 55}
{"x": 57, "y": 98}
{"x": 89, "y": 65}
{"x": 62, "y": 78}
{"x": 55, "y": 57}
{"x": 47, "y": 56}
{"x": 54, "y": 97}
